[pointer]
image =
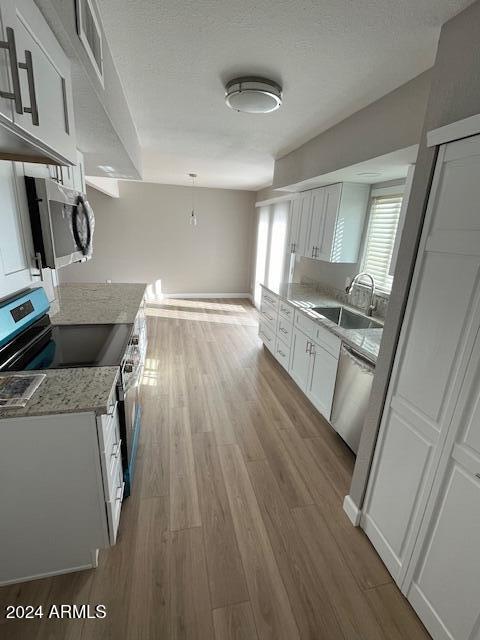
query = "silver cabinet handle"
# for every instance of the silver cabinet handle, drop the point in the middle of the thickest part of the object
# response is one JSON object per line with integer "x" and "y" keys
{"x": 16, "y": 94}
{"x": 313, "y": 252}
{"x": 307, "y": 347}
{"x": 116, "y": 449}
{"x": 119, "y": 492}
{"x": 477, "y": 475}
{"x": 281, "y": 353}
{"x": 33, "y": 108}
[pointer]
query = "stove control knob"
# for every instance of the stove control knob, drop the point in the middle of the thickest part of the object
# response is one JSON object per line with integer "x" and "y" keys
{"x": 128, "y": 367}
{"x": 135, "y": 340}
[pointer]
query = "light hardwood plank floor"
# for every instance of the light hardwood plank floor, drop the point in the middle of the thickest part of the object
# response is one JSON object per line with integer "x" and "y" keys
{"x": 235, "y": 527}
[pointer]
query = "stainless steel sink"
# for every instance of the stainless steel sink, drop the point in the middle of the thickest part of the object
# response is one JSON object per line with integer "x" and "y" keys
{"x": 347, "y": 319}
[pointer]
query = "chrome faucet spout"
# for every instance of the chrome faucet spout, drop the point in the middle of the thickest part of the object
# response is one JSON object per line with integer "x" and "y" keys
{"x": 356, "y": 280}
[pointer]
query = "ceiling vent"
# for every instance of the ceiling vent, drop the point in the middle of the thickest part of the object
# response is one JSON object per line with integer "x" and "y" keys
{"x": 250, "y": 94}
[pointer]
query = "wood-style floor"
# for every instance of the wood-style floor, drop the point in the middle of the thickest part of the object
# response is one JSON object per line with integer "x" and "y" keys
{"x": 235, "y": 528}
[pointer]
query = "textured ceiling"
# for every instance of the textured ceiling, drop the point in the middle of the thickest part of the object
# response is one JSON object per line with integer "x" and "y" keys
{"x": 332, "y": 57}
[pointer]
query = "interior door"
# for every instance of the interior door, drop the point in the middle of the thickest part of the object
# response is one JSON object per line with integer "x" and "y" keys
{"x": 317, "y": 226}
{"x": 436, "y": 341}
{"x": 300, "y": 359}
{"x": 15, "y": 271}
{"x": 446, "y": 563}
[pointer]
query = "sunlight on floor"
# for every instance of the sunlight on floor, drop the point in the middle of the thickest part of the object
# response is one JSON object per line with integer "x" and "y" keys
{"x": 199, "y": 304}
{"x": 216, "y": 318}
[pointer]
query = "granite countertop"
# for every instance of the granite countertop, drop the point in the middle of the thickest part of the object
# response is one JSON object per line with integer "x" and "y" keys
{"x": 69, "y": 391}
{"x": 365, "y": 342}
{"x": 96, "y": 303}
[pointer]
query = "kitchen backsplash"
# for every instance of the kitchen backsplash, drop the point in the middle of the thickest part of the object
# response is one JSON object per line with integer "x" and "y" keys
{"x": 359, "y": 297}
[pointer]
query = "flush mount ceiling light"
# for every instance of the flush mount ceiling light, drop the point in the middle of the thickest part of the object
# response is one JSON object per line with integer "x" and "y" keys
{"x": 250, "y": 94}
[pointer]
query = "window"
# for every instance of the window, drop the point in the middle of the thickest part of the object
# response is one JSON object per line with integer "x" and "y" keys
{"x": 380, "y": 240}
{"x": 272, "y": 227}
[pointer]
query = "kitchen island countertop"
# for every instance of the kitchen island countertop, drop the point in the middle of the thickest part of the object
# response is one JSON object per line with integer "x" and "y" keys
{"x": 97, "y": 303}
{"x": 69, "y": 391}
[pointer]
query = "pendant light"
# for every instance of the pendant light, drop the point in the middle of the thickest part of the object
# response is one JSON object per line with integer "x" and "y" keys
{"x": 193, "y": 215}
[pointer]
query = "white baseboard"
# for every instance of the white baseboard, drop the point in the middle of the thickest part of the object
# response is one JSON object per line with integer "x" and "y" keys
{"x": 48, "y": 574}
{"x": 207, "y": 295}
{"x": 352, "y": 511}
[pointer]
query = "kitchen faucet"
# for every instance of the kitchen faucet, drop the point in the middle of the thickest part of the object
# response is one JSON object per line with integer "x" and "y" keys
{"x": 371, "y": 304}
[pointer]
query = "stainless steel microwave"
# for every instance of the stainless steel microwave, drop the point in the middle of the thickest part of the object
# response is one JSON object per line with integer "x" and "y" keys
{"x": 62, "y": 223}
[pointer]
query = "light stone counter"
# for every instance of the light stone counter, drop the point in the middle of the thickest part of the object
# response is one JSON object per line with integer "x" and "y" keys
{"x": 69, "y": 391}
{"x": 96, "y": 303}
{"x": 365, "y": 342}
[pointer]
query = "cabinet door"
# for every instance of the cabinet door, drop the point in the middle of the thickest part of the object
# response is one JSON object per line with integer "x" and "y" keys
{"x": 15, "y": 272}
{"x": 317, "y": 225}
{"x": 300, "y": 224}
{"x": 295, "y": 221}
{"x": 6, "y": 105}
{"x": 329, "y": 243}
{"x": 300, "y": 359}
{"x": 321, "y": 384}
{"x": 44, "y": 80}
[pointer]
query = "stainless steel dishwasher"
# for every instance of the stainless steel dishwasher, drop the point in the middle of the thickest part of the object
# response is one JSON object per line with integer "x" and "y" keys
{"x": 352, "y": 393}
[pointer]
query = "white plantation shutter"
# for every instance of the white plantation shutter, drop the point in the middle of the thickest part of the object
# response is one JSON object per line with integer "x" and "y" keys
{"x": 382, "y": 229}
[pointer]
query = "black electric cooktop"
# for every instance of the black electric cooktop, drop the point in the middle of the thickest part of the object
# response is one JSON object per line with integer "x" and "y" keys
{"x": 44, "y": 346}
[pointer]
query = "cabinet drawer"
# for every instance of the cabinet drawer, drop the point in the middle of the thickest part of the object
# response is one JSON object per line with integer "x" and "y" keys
{"x": 107, "y": 425}
{"x": 284, "y": 330}
{"x": 269, "y": 317}
{"x": 286, "y": 310}
{"x": 114, "y": 505}
{"x": 309, "y": 327}
{"x": 282, "y": 353}
{"x": 269, "y": 298}
{"x": 267, "y": 336}
{"x": 328, "y": 341}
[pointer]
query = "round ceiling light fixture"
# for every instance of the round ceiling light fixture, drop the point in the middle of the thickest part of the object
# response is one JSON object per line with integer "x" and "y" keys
{"x": 250, "y": 94}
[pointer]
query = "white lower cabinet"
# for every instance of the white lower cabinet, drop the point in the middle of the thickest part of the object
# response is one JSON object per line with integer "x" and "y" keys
{"x": 62, "y": 503}
{"x": 306, "y": 350}
{"x": 422, "y": 507}
{"x": 322, "y": 379}
{"x": 300, "y": 359}
{"x": 314, "y": 369}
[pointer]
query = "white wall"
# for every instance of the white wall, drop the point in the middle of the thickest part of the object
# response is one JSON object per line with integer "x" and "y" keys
{"x": 391, "y": 123}
{"x": 145, "y": 236}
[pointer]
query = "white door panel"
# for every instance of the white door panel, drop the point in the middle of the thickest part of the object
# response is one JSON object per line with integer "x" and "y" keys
{"x": 422, "y": 509}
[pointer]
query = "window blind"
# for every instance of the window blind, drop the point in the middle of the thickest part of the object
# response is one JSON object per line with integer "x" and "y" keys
{"x": 382, "y": 229}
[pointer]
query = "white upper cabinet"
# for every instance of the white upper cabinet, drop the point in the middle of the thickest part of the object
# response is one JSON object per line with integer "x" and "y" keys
{"x": 16, "y": 252}
{"x": 35, "y": 72}
{"x": 317, "y": 222}
{"x": 337, "y": 217}
{"x": 300, "y": 211}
